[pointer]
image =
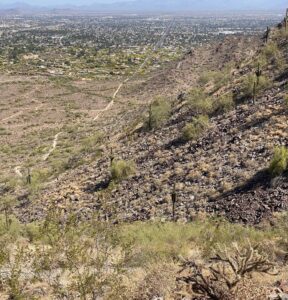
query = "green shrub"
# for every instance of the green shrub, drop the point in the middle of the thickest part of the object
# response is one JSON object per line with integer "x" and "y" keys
{"x": 122, "y": 169}
{"x": 10, "y": 225}
{"x": 193, "y": 130}
{"x": 271, "y": 50}
{"x": 279, "y": 163}
{"x": 261, "y": 61}
{"x": 218, "y": 78}
{"x": 224, "y": 104}
{"x": 199, "y": 102}
{"x": 90, "y": 143}
{"x": 273, "y": 55}
{"x": 286, "y": 101}
{"x": 159, "y": 112}
{"x": 39, "y": 178}
{"x": 204, "y": 78}
{"x": 248, "y": 85}
{"x": 32, "y": 231}
{"x": 155, "y": 241}
{"x": 7, "y": 203}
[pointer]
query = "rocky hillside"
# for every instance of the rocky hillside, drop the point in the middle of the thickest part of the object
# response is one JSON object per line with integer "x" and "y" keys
{"x": 223, "y": 170}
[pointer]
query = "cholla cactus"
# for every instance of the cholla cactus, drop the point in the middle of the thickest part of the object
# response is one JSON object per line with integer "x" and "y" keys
{"x": 226, "y": 270}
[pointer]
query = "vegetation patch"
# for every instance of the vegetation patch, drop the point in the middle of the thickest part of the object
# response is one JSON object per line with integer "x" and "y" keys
{"x": 193, "y": 129}
{"x": 159, "y": 112}
{"x": 279, "y": 163}
{"x": 252, "y": 86}
{"x": 199, "y": 101}
{"x": 223, "y": 104}
{"x": 121, "y": 169}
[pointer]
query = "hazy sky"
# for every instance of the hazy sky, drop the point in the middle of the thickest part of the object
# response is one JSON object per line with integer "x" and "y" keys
{"x": 44, "y": 2}
{"x": 206, "y": 4}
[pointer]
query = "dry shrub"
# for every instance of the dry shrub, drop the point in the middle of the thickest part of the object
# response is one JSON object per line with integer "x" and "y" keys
{"x": 158, "y": 282}
{"x": 220, "y": 279}
{"x": 122, "y": 169}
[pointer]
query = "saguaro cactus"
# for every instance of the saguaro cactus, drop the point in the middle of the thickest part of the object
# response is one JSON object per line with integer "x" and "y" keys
{"x": 174, "y": 200}
{"x": 267, "y": 34}
{"x": 254, "y": 92}
{"x": 150, "y": 117}
{"x": 111, "y": 156}
{"x": 28, "y": 178}
{"x": 258, "y": 73}
{"x": 286, "y": 20}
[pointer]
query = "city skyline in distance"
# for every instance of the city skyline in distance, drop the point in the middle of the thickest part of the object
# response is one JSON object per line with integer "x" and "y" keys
{"x": 148, "y": 5}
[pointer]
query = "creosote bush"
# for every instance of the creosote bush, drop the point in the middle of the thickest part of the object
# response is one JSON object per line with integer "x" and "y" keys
{"x": 217, "y": 78}
{"x": 91, "y": 259}
{"x": 271, "y": 50}
{"x": 247, "y": 88}
{"x": 223, "y": 104}
{"x": 122, "y": 169}
{"x": 199, "y": 101}
{"x": 279, "y": 163}
{"x": 203, "y": 104}
{"x": 159, "y": 112}
{"x": 193, "y": 129}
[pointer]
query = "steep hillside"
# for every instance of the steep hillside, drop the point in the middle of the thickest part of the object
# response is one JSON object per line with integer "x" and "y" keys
{"x": 222, "y": 171}
{"x": 203, "y": 139}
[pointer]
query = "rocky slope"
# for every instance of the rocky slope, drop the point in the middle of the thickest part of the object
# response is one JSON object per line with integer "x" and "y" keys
{"x": 222, "y": 172}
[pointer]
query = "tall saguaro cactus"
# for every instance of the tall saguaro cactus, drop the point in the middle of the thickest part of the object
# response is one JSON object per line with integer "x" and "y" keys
{"x": 150, "y": 117}
{"x": 258, "y": 73}
{"x": 28, "y": 177}
{"x": 267, "y": 34}
{"x": 111, "y": 156}
{"x": 174, "y": 200}
{"x": 286, "y": 19}
{"x": 254, "y": 92}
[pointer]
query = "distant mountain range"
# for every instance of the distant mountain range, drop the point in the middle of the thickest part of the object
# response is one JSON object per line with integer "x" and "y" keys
{"x": 157, "y": 5}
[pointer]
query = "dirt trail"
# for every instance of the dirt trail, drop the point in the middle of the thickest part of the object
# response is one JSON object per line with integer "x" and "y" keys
{"x": 110, "y": 104}
{"x": 156, "y": 46}
{"x": 19, "y": 113}
{"x": 54, "y": 145}
{"x": 18, "y": 171}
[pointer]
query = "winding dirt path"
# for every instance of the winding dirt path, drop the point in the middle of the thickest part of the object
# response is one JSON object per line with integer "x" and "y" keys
{"x": 159, "y": 44}
{"x": 54, "y": 145}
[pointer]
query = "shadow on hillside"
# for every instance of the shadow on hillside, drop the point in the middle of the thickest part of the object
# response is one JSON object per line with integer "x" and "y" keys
{"x": 260, "y": 121}
{"x": 260, "y": 179}
{"x": 97, "y": 187}
{"x": 178, "y": 142}
{"x": 283, "y": 76}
